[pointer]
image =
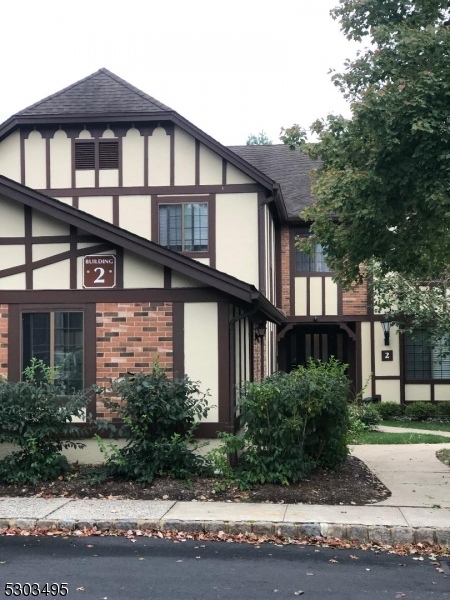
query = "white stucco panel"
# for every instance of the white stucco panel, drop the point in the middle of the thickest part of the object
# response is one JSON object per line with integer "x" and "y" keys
{"x": 52, "y": 277}
{"x": 386, "y": 367}
{"x": 11, "y": 256}
{"x": 237, "y": 236}
{"x": 389, "y": 390}
{"x": 133, "y": 158}
{"x": 141, "y": 273}
{"x": 12, "y": 222}
{"x": 316, "y": 285}
{"x": 35, "y": 161}
{"x": 201, "y": 350}
{"x": 135, "y": 215}
{"x": 85, "y": 179}
{"x": 234, "y": 175}
{"x": 10, "y": 156}
{"x": 331, "y": 297}
{"x": 418, "y": 391}
{"x": 41, "y": 251}
{"x": 366, "y": 353}
{"x": 301, "y": 291}
{"x": 184, "y": 158}
{"x": 13, "y": 282}
{"x": 442, "y": 393}
{"x": 60, "y": 160}
{"x": 159, "y": 157}
{"x": 182, "y": 281}
{"x": 45, "y": 225}
{"x": 210, "y": 167}
{"x": 108, "y": 178}
{"x": 99, "y": 206}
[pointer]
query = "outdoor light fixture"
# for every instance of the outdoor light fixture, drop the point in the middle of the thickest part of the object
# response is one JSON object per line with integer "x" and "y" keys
{"x": 260, "y": 330}
{"x": 386, "y": 325}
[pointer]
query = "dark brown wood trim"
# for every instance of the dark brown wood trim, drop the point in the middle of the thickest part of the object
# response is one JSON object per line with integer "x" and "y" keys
{"x": 74, "y": 176}
{"x": 28, "y": 216}
{"x": 324, "y": 312}
{"x": 387, "y": 378}
{"x": 149, "y": 190}
{"x": 178, "y": 339}
{"x": 115, "y": 210}
{"x": 167, "y": 278}
{"x": 73, "y": 257}
{"x": 212, "y": 225}
{"x": 113, "y": 295}
{"x": 262, "y": 249}
{"x": 278, "y": 273}
{"x": 47, "y": 163}
{"x": 49, "y": 239}
{"x": 14, "y": 337}
{"x": 154, "y": 219}
{"x": 146, "y": 160}
{"x": 172, "y": 156}
{"x": 22, "y": 157}
{"x": 75, "y": 202}
{"x": 119, "y": 271}
{"x": 340, "y": 298}
{"x": 225, "y": 408}
{"x": 224, "y": 172}
{"x": 210, "y": 430}
{"x": 330, "y": 319}
{"x": 308, "y": 296}
{"x": 90, "y": 353}
{"x": 197, "y": 162}
{"x": 97, "y": 163}
{"x": 358, "y": 357}
{"x": 263, "y": 352}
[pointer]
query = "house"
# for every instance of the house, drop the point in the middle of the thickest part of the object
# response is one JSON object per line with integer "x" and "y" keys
{"x": 127, "y": 234}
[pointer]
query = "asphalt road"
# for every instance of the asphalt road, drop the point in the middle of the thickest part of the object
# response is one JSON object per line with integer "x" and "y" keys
{"x": 116, "y": 569}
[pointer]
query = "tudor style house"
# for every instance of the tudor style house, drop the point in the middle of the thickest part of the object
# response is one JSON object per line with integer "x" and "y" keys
{"x": 128, "y": 235}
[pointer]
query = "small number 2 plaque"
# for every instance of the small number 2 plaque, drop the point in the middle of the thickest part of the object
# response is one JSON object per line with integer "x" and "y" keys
{"x": 387, "y": 355}
{"x": 99, "y": 271}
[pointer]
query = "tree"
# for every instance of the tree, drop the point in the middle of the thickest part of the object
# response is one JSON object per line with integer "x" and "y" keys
{"x": 259, "y": 140}
{"x": 383, "y": 181}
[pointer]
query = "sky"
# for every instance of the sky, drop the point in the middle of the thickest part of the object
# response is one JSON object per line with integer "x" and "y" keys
{"x": 231, "y": 67}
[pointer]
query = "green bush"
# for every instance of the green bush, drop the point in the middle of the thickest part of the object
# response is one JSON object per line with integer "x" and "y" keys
{"x": 159, "y": 417}
{"x": 37, "y": 417}
{"x": 443, "y": 410}
{"x": 367, "y": 414}
{"x": 293, "y": 422}
{"x": 389, "y": 410}
{"x": 421, "y": 411}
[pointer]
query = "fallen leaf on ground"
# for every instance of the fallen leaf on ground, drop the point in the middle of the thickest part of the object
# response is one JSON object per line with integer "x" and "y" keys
{"x": 354, "y": 557}
{"x": 299, "y": 593}
{"x": 332, "y": 560}
{"x": 80, "y": 589}
{"x": 400, "y": 595}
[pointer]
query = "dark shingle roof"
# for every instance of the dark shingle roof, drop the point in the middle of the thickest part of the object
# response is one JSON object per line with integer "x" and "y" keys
{"x": 289, "y": 168}
{"x": 101, "y": 92}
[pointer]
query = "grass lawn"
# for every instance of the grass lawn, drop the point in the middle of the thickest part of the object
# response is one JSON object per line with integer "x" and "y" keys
{"x": 378, "y": 437}
{"x": 444, "y": 456}
{"x": 418, "y": 425}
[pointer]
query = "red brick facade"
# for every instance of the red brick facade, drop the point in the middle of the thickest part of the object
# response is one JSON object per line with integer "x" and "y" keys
{"x": 130, "y": 337}
{"x": 354, "y": 302}
{"x": 285, "y": 271}
{"x": 3, "y": 340}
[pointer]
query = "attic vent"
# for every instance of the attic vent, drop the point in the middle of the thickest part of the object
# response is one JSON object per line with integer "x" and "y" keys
{"x": 108, "y": 155}
{"x": 84, "y": 156}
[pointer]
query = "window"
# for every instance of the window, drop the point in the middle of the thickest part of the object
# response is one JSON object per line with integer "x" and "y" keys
{"x": 87, "y": 153}
{"x": 56, "y": 338}
{"x": 184, "y": 227}
{"x": 315, "y": 263}
{"x": 424, "y": 361}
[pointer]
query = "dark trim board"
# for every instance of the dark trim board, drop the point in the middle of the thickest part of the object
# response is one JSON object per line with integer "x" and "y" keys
{"x": 147, "y": 190}
{"x": 178, "y": 339}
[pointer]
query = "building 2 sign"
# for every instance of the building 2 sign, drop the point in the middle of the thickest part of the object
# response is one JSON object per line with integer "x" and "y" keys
{"x": 99, "y": 271}
{"x": 387, "y": 355}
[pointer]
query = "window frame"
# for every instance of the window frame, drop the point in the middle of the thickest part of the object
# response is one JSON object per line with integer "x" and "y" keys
{"x": 15, "y": 340}
{"x": 209, "y": 200}
{"x": 294, "y": 250}
{"x": 432, "y": 380}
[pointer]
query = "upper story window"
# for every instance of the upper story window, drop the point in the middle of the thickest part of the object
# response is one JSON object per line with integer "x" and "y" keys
{"x": 311, "y": 264}
{"x": 88, "y": 153}
{"x": 183, "y": 227}
{"x": 423, "y": 360}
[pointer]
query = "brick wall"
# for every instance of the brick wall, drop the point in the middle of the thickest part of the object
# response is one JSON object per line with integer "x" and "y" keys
{"x": 285, "y": 271}
{"x": 354, "y": 302}
{"x": 256, "y": 360}
{"x": 4, "y": 340}
{"x": 130, "y": 337}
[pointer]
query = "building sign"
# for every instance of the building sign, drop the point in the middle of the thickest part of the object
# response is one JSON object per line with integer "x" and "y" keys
{"x": 387, "y": 355}
{"x": 99, "y": 271}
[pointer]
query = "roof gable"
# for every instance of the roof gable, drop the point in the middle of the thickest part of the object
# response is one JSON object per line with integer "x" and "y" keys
{"x": 100, "y": 92}
{"x": 140, "y": 246}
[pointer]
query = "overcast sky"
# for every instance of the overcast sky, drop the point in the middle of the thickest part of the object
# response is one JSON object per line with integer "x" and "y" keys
{"x": 231, "y": 67}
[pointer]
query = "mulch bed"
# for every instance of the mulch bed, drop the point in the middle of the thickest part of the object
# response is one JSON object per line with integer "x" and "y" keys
{"x": 354, "y": 484}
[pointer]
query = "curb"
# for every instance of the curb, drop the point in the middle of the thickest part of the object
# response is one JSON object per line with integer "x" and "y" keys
{"x": 378, "y": 534}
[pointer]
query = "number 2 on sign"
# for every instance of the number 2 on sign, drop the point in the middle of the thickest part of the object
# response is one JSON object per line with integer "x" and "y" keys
{"x": 100, "y": 278}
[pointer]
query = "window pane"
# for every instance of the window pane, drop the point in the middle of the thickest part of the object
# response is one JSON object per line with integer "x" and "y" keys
{"x": 35, "y": 339}
{"x": 315, "y": 263}
{"x": 68, "y": 355}
{"x": 418, "y": 355}
{"x": 441, "y": 361}
{"x": 196, "y": 227}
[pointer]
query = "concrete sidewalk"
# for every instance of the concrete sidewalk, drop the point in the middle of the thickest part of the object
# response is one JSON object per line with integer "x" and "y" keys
{"x": 388, "y": 525}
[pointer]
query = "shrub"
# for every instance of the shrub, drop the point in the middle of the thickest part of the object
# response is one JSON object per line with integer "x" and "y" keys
{"x": 389, "y": 410}
{"x": 159, "y": 417}
{"x": 443, "y": 410}
{"x": 37, "y": 417}
{"x": 420, "y": 411}
{"x": 367, "y": 414}
{"x": 293, "y": 422}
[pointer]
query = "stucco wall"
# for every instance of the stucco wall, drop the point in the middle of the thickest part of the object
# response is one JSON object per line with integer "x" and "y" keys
{"x": 3, "y": 340}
